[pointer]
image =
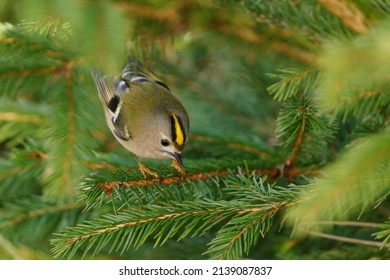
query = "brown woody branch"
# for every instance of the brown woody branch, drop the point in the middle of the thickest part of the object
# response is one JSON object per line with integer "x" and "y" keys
{"x": 108, "y": 186}
{"x": 289, "y": 169}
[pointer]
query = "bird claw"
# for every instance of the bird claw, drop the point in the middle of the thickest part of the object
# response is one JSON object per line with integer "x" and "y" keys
{"x": 179, "y": 168}
{"x": 146, "y": 171}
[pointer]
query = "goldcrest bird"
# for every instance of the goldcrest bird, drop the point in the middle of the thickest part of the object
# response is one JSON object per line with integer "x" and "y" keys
{"x": 144, "y": 116}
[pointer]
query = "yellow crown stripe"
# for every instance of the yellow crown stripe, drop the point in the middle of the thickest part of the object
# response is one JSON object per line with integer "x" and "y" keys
{"x": 178, "y": 131}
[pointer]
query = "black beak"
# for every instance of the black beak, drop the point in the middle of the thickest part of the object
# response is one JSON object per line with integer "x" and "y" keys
{"x": 178, "y": 159}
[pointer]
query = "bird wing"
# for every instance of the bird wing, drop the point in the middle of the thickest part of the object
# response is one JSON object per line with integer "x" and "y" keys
{"x": 111, "y": 91}
{"x": 136, "y": 72}
{"x": 111, "y": 99}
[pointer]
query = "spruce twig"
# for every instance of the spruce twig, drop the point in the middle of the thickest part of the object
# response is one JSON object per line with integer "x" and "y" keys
{"x": 289, "y": 166}
{"x": 107, "y": 186}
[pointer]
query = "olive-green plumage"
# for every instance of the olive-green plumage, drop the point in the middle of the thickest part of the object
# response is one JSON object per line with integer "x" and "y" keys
{"x": 143, "y": 114}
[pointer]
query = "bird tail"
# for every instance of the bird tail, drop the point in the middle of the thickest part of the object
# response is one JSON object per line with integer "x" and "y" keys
{"x": 106, "y": 90}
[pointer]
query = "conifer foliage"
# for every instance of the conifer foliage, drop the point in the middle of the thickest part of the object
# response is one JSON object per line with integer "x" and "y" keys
{"x": 288, "y": 153}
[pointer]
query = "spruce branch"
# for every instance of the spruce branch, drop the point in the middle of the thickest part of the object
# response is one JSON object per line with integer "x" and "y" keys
{"x": 302, "y": 130}
{"x": 242, "y": 218}
{"x": 253, "y": 37}
{"x": 51, "y": 61}
{"x": 162, "y": 223}
{"x": 348, "y": 13}
{"x": 19, "y": 218}
{"x": 385, "y": 235}
{"x": 20, "y": 170}
{"x": 289, "y": 165}
{"x": 99, "y": 28}
{"x": 136, "y": 226}
{"x": 64, "y": 131}
{"x": 233, "y": 145}
{"x": 381, "y": 7}
{"x": 351, "y": 86}
{"x": 127, "y": 188}
{"x": 308, "y": 23}
{"x": 176, "y": 16}
{"x": 11, "y": 219}
{"x": 351, "y": 184}
{"x": 293, "y": 83}
{"x": 243, "y": 231}
{"x": 273, "y": 173}
{"x": 20, "y": 120}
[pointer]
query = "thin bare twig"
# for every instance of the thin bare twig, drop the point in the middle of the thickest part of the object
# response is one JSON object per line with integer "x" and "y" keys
{"x": 351, "y": 223}
{"x": 289, "y": 166}
{"x": 347, "y": 239}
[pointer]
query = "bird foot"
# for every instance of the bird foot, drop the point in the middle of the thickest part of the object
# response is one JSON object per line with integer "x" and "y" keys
{"x": 146, "y": 171}
{"x": 179, "y": 168}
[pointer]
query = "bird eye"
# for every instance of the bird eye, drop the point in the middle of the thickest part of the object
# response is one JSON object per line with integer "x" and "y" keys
{"x": 164, "y": 142}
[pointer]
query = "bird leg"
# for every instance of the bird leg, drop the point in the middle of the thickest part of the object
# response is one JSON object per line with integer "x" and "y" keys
{"x": 179, "y": 168}
{"x": 144, "y": 170}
